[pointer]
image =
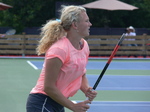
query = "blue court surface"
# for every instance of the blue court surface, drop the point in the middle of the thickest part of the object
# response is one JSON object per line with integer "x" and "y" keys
{"x": 118, "y": 106}
{"x": 119, "y": 65}
{"x": 113, "y": 66}
{"x": 116, "y": 83}
{"x": 121, "y": 82}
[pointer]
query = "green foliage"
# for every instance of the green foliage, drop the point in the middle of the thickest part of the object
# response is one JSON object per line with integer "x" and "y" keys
{"x": 27, "y": 13}
{"x": 34, "y": 13}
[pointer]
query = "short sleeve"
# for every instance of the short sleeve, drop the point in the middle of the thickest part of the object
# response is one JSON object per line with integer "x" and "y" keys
{"x": 56, "y": 52}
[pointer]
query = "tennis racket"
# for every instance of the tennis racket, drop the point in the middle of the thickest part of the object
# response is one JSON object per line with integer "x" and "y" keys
{"x": 11, "y": 32}
{"x": 108, "y": 62}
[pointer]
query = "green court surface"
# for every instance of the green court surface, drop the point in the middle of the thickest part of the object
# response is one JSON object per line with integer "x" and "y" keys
{"x": 17, "y": 79}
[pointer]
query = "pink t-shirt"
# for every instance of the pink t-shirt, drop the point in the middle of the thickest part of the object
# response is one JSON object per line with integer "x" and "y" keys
{"x": 74, "y": 67}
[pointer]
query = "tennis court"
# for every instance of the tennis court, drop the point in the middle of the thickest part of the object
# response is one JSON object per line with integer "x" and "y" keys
{"x": 125, "y": 86}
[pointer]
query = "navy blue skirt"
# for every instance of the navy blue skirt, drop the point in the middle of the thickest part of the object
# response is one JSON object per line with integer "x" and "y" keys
{"x": 42, "y": 103}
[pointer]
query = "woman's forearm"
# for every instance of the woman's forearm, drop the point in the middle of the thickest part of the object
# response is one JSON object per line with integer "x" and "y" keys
{"x": 57, "y": 96}
{"x": 85, "y": 84}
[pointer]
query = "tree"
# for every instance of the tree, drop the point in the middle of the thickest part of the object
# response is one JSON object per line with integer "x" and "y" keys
{"x": 140, "y": 17}
{"x": 27, "y": 13}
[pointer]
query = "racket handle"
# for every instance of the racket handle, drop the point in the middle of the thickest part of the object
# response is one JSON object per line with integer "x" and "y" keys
{"x": 90, "y": 90}
{"x": 87, "y": 97}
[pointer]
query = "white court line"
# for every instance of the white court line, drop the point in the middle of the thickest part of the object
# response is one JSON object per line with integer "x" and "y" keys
{"x": 32, "y": 65}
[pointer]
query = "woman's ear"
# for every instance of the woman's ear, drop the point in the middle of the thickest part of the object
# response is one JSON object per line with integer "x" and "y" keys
{"x": 74, "y": 25}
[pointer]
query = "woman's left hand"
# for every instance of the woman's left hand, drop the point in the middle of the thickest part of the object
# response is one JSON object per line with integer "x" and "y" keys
{"x": 90, "y": 94}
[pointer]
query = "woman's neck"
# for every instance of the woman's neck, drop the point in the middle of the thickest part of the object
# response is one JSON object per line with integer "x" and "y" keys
{"x": 75, "y": 41}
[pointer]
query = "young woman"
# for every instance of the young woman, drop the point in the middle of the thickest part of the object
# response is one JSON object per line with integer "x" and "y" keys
{"x": 64, "y": 69}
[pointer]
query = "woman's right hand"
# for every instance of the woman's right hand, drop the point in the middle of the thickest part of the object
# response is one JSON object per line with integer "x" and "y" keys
{"x": 82, "y": 106}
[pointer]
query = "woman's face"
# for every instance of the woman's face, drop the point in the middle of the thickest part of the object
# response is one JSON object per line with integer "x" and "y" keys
{"x": 84, "y": 25}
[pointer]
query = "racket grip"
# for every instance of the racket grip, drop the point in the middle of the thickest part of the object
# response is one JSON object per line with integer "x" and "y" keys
{"x": 87, "y": 103}
{"x": 90, "y": 90}
{"x": 87, "y": 97}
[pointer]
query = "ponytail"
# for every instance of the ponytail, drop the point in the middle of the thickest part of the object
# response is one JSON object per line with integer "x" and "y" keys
{"x": 51, "y": 32}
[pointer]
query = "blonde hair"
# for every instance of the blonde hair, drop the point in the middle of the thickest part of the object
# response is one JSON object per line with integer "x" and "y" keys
{"x": 54, "y": 30}
{"x": 70, "y": 14}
